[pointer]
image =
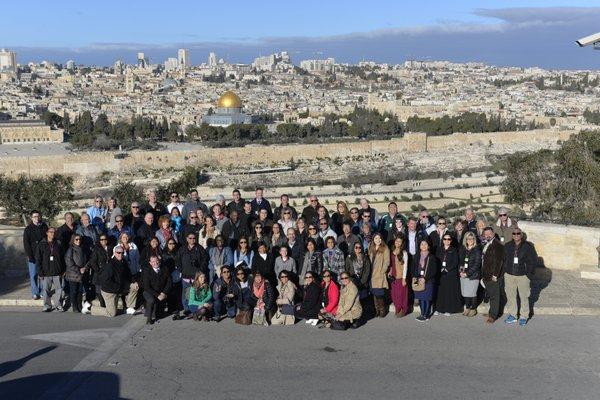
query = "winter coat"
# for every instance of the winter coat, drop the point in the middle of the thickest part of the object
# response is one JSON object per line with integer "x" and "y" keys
{"x": 156, "y": 283}
{"x": 331, "y": 296}
{"x": 380, "y": 265}
{"x": 268, "y": 296}
{"x": 192, "y": 260}
{"x": 32, "y": 236}
{"x": 526, "y": 255}
{"x": 98, "y": 261}
{"x": 363, "y": 278}
{"x": 115, "y": 277}
{"x": 349, "y": 308}
{"x": 470, "y": 262}
{"x": 49, "y": 259}
{"x": 74, "y": 260}
{"x": 492, "y": 260}
{"x": 333, "y": 260}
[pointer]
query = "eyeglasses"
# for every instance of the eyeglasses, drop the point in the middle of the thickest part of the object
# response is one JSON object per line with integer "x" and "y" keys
{"x": 344, "y": 278}
{"x": 135, "y": 206}
{"x": 358, "y": 248}
{"x": 77, "y": 240}
{"x": 258, "y": 227}
{"x": 312, "y": 228}
{"x": 326, "y": 276}
{"x": 353, "y": 212}
{"x": 323, "y": 224}
{"x": 517, "y": 233}
{"x": 174, "y": 196}
{"x": 313, "y": 201}
{"x": 120, "y": 220}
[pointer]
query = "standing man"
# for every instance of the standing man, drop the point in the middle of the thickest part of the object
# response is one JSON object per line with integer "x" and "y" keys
{"x": 260, "y": 203}
{"x": 386, "y": 223}
{"x": 471, "y": 220}
{"x": 145, "y": 232}
{"x": 365, "y": 207}
{"x": 193, "y": 204}
{"x": 175, "y": 203}
{"x": 50, "y": 268}
{"x": 247, "y": 219}
{"x": 237, "y": 203}
{"x": 66, "y": 230}
{"x": 192, "y": 258}
{"x": 520, "y": 259}
{"x": 32, "y": 236}
{"x": 134, "y": 219}
{"x": 284, "y": 203}
{"x": 153, "y": 206}
{"x": 97, "y": 213}
{"x": 347, "y": 239}
{"x": 504, "y": 225}
{"x": 492, "y": 271}
{"x": 310, "y": 211}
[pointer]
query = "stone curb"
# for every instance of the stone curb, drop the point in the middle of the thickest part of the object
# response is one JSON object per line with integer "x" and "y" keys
{"x": 574, "y": 311}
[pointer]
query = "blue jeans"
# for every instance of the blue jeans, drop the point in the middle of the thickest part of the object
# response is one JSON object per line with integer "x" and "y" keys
{"x": 219, "y": 309}
{"x": 185, "y": 292}
{"x": 33, "y": 279}
{"x": 424, "y": 304}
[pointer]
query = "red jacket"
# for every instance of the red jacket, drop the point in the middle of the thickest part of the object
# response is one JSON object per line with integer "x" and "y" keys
{"x": 333, "y": 297}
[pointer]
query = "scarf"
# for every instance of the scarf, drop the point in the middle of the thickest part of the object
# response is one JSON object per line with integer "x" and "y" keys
{"x": 259, "y": 290}
{"x": 358, "y": 266}
{"x": 423, "y": 260}
{"x": 166, "y": 234}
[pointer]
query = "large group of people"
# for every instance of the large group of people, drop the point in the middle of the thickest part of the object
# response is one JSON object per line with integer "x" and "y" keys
{"x": 258, "y": 264}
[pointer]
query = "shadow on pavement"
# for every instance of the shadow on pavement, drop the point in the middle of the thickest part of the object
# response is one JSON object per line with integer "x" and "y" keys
{"x": 42, "y": 386}
{"x": 11, "y": 366}
{"x": 540, "y": 280}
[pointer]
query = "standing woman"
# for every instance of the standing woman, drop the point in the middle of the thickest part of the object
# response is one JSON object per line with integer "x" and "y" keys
{"x": 398, "y": 273}
{"x": 424, "y": 269}
{"x": 243, "y": 254}
{"x": 165, "y": 232}
{"x": 98, "y": 260}
{"x": 176, "y": 220}
{"x": 313, "y": 260}
{"x": 449, "y": 301}
{"x": 337, "y": 218}
{"x": 379, "y": 254}
{"x": 259, "y": 236}
{"x": 358, "y": 266}
{"x": 460, "y": 227}
{"x": 208, "y": 233}
{"x": 301, "y": 230}
{"x": 170, "y": 261}
{"x": 470, "y": 273}
{"x": 278, "y": 239}
{"x": 75, "y": 261}
{"x": 286, "y": 220}
{"x": 112, "y": 212}
{"x": 285, "y": 301}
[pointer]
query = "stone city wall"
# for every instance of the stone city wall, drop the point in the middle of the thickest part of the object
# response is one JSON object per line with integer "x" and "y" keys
{"x": 96, "y": 162}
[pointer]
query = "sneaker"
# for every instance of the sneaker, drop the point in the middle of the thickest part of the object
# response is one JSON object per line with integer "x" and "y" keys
{"x": 421, "y": 318}
{"x": 36, "y": 297}
{"x": 522, "y": 322}
{"x": 446, "y": 314}
{"x": 436, "y": 313}
{"x": 314, "y": 322}
{"x": 46, "y": 309}
{"x": 130, "y": 311}
{"x": 510, "y": 320}
{"x": 308, "y": 321}
{"x": 60, "y": 309}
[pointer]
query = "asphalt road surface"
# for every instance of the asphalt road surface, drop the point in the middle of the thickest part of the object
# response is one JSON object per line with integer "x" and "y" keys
{"x": 553, "y": 357}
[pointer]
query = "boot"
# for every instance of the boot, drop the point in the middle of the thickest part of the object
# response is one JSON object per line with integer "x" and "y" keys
{"x": 376, "y": 305}
{"x": 472, "y": 313}
{"x": 380, "y": 307}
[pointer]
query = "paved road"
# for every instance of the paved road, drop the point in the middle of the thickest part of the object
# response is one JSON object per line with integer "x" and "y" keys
{"x": 449, "y": 357}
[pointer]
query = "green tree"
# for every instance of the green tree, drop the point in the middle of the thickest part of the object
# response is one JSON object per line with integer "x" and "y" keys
{"x": 127, "y": 192}
{"x": 49, "y": 195}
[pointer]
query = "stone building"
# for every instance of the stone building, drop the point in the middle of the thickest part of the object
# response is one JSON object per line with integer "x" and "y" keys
{"x": 229, "y": 111}
{"x": 28, "y": 131}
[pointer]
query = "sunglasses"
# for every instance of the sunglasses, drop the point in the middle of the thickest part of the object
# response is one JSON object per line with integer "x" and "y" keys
{"x": 441, "y": 223}
{"x": 120, "y": 220}
{"x": 503, "y": 215}
{"x": 287, "y": 213}
{"x": 101, "y": 239}
{"x": 344, "y": 279}
{"x": 447, "y": 239}
{"x": 193, "y": 217}
{"x": 517, "y": 233}
{"x": 353, "y": 212}
{"x": 326, "y": 276}
{"x": 119, "y": 252}
{"x": 135, "y": 206}
{"x": 283, "y": 276}
{"x": 174, "y": 196}
{"x": 243, "y": 242}
{"x": 77, "y": 240}
{"x": 312, "y": 228}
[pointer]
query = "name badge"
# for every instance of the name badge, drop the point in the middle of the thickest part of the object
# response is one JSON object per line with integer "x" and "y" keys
{"x": 466, "y": 265}
{"x": 422, "y": 273}
{"x": 443, "y": 263}
{"x": 502, "y": 239}
{"x": 51, "y": 258}
{"x": 516, "y": 260}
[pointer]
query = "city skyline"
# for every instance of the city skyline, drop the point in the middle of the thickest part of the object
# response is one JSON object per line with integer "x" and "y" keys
{"x": 536, "y": 34}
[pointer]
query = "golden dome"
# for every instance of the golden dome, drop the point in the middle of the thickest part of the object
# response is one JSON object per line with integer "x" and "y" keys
{"x": 229, "y": 100}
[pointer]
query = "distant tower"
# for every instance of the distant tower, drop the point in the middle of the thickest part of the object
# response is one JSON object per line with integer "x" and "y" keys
{"x": 71, "y": 65}
{"x": 118, "y": 67}
{"x": 212, "y": 59}
{"x": 370, "y": 96}
{"x": 183, "y": 58}
{"x": 142, "y": 61}
{"x": 129, "y": 81}
{"x": 8, "y": 61}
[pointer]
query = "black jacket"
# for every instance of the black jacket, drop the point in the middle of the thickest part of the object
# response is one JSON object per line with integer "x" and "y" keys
{"x": 64, "y": 234}
{"x": 265, "y": 267}
{"x": 98, "y": 261}
{"x": 297, "y": 251}
{"x": 143, "y": 235}
{"x": 450, "y": 257}
{"x": 192, "y": 261}
{"x": 492, "y": 261}
{"x": 430, "y": 271}
{"x": 472, "y": 259}
{"x": 279, "y": 209}
{"x": 231, "y": 233}
{"x": 32, "y": 235}
{"x": 49, "y": 258}
{"x": 311, "y": 303}
{"x": 526, "y": 255}
{"x": 268, "y": 296}
{"x": 264, "y": 205}
{"x": 115, "y": 277}
{"x": 187, "y": 229}
{"x": 156, "y": 283}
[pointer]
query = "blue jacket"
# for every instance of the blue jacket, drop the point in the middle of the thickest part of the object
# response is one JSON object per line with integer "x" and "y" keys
{"x": 212, "y": 255}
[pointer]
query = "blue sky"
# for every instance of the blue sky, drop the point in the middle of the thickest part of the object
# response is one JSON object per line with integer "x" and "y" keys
{"x": 521, "y": 33}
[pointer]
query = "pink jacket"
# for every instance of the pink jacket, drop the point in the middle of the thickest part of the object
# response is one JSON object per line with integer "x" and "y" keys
{"x": 333, "y": 296}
